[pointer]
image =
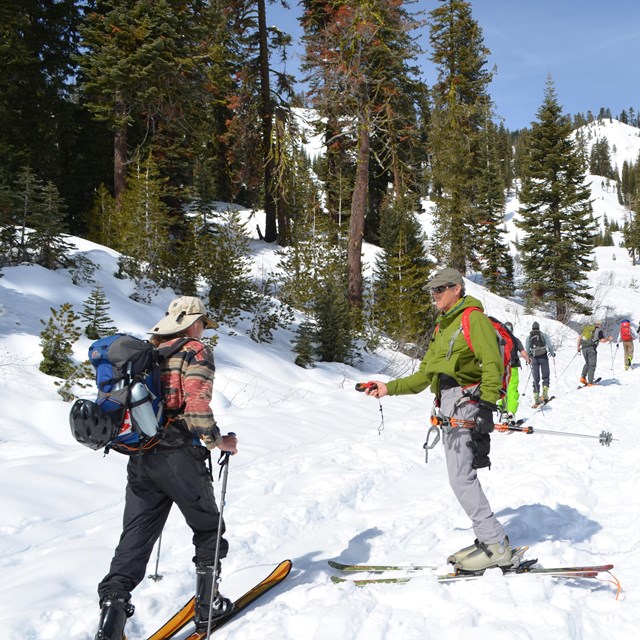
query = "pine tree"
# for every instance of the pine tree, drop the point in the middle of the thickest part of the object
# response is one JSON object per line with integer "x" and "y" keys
{"x": 57, "y": 340}
{"x": 102, "y": 227}
{"x": 460, "y": 105}
{"x": 140, "y": 230}
{"x": 496, "y": 264}
{"x": 43, "y": 126}
{"x": 313, "y": 272}
{"x": 47, "y": 241}
{"x": 268, "y": 313}
{"x": 95, "y": 312}
{"x": 28, "y": 205}
{"x": 358, "y": 55}
{"x": 313, "y": 256}
{"x": 335, "y": 332}
{"x": 38, "y": 214}
{"x": 556, "y": 214}
{"x": 402, "y": 309}
{"x": 600, "y": 159}
{"x": 151, "y": 71}
{"x": 303, "y": 344}
{"x": 263, "y": 93}
{"x": 224, "y": 263}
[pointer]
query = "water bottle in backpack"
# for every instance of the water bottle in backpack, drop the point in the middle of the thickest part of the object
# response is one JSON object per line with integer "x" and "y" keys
{"x": 142, "y": 412}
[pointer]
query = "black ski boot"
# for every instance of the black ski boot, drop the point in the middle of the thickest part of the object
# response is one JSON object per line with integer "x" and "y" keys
{"x": 114, "y": 614}
{"x": 204, "y": 585}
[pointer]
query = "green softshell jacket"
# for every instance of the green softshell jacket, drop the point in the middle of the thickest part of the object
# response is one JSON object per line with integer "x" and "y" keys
{"x": 466, "y": 367}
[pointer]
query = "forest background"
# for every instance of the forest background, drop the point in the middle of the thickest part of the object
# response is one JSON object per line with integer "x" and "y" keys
{"x": 125, "y": 121}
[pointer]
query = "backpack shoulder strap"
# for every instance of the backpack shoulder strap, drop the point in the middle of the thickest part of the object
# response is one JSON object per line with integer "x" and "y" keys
{"x": 466, "y": 328}
{"x": 167, "y": 352}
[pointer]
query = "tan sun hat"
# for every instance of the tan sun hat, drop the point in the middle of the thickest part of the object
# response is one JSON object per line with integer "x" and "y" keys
{"x": 182, "y": 313}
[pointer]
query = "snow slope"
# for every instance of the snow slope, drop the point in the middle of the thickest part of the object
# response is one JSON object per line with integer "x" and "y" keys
{"x": 321, "y": 474}
{"x": 319, "y": 477}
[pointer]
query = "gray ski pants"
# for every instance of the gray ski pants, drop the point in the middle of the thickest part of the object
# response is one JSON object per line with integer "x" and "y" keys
{"x": 590, "y": 356}
{"x": 462, "y": 477}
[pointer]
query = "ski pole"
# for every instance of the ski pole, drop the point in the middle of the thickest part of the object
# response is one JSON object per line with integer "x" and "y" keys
{"x": 224, "y": 472}
{"x": 156, "y": 576}
{"x": 605, "y": 438}
{"x": 528, "y": 378}
{"x": 363, "y": 386}
{"x": 570, "y": 361}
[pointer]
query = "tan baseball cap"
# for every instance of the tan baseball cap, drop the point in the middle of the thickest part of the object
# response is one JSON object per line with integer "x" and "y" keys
{"x": 182, "y": 313}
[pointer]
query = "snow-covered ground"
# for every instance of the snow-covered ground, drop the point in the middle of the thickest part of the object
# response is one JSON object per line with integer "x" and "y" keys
{"x": 318, "y": 476}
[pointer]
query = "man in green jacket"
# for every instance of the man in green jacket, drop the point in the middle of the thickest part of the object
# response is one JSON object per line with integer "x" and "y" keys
{"x": 467, "y": 386}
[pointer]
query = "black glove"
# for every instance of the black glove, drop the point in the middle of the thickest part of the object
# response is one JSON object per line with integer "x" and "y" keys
{"x": 484, "y": 417}
{"x": 480, "y": 444}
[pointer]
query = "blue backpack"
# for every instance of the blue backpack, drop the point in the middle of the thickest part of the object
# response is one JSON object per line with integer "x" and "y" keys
{"x": 128, "y": 414}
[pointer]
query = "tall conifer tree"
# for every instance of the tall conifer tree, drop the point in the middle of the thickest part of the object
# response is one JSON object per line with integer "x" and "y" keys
{"x": 460, "y": 103}
{"x": 495, "y": 262}
{"x": 555, "y": 215}
{"x": 152, "y": 71}
{"x": 357, "y": 55}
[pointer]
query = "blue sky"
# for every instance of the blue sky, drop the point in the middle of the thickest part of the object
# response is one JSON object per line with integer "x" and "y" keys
{"x": 591, "y": 50}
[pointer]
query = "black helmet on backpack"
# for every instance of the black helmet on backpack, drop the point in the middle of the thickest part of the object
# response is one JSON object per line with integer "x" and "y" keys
{"x": 90, "y": 425}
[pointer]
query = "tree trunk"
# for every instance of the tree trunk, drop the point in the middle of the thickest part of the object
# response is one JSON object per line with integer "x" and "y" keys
{"x": 266, "y": 113}
{"x": 119, "y": 153}
{"x": 358, "y": 212}
{"x": 281, "y": 202}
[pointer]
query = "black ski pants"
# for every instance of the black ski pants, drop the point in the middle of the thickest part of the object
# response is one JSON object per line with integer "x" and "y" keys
{"x": 155, "y": 481}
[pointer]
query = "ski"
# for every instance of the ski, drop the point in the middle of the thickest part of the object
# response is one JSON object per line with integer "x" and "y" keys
{"x": 176, "y": 622}
{"x": 378, "y": 568}
{"x": 518, "y": 552}
{"x": 272, "y": 580}
{"x": 512, "y": 423}
{"x": 542, "y": 404}
{"x": 580, "y": 572}
{"x": 582, "y": 386}
{"x": 185, "y": 615}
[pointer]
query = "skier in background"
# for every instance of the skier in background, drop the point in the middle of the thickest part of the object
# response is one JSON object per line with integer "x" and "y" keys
{"x": 539, "y": 347}
{"x": 627, "y": 335}
{"x": 592, "y": 335}
{"x": 511, "y": 402}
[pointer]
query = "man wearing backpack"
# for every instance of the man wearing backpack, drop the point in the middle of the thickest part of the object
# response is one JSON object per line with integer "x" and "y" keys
{"x": 466, "y": 384}
{"x": 592, "y": 335}
{"x": 539, "y": 347}
{"x": 174, "y": 471}
{"x": 510, "y": 403}
{"x": 627, "y": 335}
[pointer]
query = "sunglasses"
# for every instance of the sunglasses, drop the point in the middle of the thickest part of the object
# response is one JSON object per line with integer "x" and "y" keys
{"x": 442, "y": 288}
